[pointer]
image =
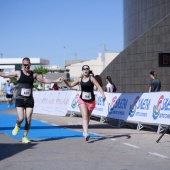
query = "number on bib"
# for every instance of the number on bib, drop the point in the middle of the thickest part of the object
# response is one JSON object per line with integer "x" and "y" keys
{"x": 86, "y": 95}
{"x": 25, "y": 92}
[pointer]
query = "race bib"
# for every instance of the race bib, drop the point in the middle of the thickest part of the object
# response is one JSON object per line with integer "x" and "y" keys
{"x": 25, "y": 92}
{"x": 86, "y": 95}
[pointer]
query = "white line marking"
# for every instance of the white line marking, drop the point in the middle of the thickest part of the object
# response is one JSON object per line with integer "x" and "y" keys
{"x": 157, "y": 154}
{"x": 44, "y": 121}
{"x": 128, "y": 144}
{"x": 54, "y": 125}
{"x": 74, "y": 124}
{"x": 113, "y": 139}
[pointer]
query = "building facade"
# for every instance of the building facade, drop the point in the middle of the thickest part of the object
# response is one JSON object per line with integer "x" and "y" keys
{"x": 96, "y": 65}
{"x": 146, "y": 35}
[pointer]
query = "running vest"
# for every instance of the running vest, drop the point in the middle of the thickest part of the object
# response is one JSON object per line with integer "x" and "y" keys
{"x": 87, "y": 89}
{"x": 25, "y": 86}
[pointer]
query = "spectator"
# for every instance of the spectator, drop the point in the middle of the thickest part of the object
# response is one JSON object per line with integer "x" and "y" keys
{"x": 155, "y": 83}
{"x": 109, "y": 85}
{"x": 55, "y": 87}
{"x": 99, "y": 80}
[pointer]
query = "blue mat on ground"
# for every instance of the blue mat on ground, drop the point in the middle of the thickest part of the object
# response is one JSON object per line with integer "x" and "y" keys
{"x": 5, "y": 107}
{"x": 38, "y": 129}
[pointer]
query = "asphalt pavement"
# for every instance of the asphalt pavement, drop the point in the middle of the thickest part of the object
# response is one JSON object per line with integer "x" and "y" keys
{"x": 109, "y": 148}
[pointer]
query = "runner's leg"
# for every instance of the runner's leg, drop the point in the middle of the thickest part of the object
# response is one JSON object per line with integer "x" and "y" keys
{"x": 84, "y": 112}
{"x": 28, "y": 115}
{"x": 20, "y": 113}
{"x": 89, "y": 115}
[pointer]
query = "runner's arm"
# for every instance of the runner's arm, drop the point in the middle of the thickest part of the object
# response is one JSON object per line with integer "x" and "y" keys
{"x": 71, "y": 84}
{"x": 9, "y": 75}
{"x": 46, "y": 81}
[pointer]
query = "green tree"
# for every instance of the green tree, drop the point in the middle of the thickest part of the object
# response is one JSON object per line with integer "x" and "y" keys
{"x": 40, "y": 70}
{"x": 14, "y": 80}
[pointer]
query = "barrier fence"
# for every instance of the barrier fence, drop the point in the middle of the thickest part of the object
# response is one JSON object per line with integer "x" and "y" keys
{"x": 139, "y": 108}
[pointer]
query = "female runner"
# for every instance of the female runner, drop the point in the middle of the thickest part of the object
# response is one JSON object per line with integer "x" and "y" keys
{"x": 86, "y": 100}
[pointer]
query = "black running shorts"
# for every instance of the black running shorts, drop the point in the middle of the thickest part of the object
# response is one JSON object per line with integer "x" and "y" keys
{"x": 25, "y": 103}
{"x": 9, "y": 96}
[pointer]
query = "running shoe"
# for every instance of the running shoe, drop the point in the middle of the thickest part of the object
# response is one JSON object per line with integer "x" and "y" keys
{"x": 86, "y": 136}
{"x": 15, "y": 130}
{"x": 25, "y": 140}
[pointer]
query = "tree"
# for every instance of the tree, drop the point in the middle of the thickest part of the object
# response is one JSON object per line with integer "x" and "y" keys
{"x": 40, "y": 70}
{"x": 14, "y": 80}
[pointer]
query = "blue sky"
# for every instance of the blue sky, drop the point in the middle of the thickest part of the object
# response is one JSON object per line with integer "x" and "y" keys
{"x": 60, "y": 29}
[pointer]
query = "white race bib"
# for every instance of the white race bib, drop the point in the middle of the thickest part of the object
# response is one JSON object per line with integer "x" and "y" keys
{"x": 25, "y": 92}
{"x": 86, "y": 95}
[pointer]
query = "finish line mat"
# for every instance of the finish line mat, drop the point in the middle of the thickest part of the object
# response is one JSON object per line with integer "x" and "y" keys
{"x": 38, "y": 130}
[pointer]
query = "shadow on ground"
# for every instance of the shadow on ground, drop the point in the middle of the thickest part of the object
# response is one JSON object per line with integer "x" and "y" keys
{"x": 9, "y": 149}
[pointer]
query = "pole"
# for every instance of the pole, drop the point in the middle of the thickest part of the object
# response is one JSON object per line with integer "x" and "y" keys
{"x": 75, "y": 56}
{"x": 163, "y": 134}
{"x": 103, "y": 55}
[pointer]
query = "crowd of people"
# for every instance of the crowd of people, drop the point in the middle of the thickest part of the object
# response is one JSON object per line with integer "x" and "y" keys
{"x": 87, "y": 81}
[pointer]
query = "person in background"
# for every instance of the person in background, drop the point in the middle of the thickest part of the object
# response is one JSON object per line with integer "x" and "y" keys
{"x": 9, "y": 92}
{"x": 24, "y": 96}
{"x": 109, "y": 85}
{"x": 55, "y": 87}
{"x": 86, "y": 100}
{"x": 99, "y": 80}
{"x": 155, "y": 83}
{"x": 39, "y": 87}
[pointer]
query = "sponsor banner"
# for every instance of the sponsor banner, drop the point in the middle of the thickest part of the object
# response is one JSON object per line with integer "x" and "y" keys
{"x": 137, "y": 107}
{"x": 118, "y": 104}
{"x": 51, "y": 102}
{"x": 99, "y": 110}
{"x": 151, "y": 108}
{"x": 73, "y": 102}
{"x": 140, "y": 108}
{"x": 160, "y": 108}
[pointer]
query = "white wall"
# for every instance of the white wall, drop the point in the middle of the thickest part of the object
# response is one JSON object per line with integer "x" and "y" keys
{"x": 96, "y": 65}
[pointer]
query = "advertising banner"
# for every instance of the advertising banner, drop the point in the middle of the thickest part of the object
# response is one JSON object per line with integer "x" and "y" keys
{"x": 51, "y": 102}
{"x": 118, "y": 104}
{"x": 149, "y": 108}
{"x": 99, "y": 110}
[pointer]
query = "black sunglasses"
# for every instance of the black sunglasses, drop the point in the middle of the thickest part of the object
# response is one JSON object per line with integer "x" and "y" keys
{"x": 26, "y": 65}
{"x": 85, "y": 68}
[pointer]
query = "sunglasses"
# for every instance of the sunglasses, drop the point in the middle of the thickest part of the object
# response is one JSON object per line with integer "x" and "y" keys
{"x": 85, "y": 68}
{"x": 25, "y": 65}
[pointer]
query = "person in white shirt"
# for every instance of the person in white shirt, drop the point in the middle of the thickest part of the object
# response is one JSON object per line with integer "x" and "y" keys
{"x": 109, "y": 85}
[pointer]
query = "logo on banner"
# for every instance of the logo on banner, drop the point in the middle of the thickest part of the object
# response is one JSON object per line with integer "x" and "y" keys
{"x": 99, "y": 100}
{"x": 133, "y": 107}
{"x": 110, "y": 105}
{"x": 140, "y": 107}
{"x": 157, "y": 108}
{"x": 117, "y": 106}
{"x": 74, "y": 103}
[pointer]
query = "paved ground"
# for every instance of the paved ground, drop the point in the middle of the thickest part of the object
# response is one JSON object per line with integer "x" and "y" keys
{"x": 117, "y": 149}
